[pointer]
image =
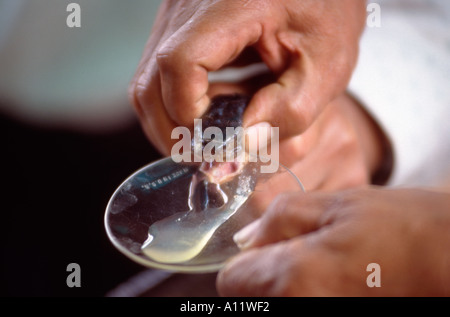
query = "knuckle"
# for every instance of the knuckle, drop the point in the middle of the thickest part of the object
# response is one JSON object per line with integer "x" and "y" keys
{"x": 344, "y": 62}
{"x": 357, "y": 177}
{"x": 299, "y": 271}
{"x": 165, "y": 56}
{"x": 135, "y": 93}
{"x": 276, "y": 216}
{"x": 347, "y": 141}
{"x": 169, "y": 54}
{"x": 278, "y": 208}
{"x": 358, "y": 173}
{"x": 302, "y": 116}
{"x": 172, "y": 55}
{"x": 225, "y": 284}
{"x": 299, "y": 146}
{"x": 352, "y": 199}
{"x": 341, "y": 66}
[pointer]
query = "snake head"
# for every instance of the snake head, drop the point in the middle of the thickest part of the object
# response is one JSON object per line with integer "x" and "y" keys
{"x": 225, "y": 111}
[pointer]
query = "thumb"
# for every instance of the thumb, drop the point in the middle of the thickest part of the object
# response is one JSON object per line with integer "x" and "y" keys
{"x": 302, "y": 91}
{"x": 291, "y": 103}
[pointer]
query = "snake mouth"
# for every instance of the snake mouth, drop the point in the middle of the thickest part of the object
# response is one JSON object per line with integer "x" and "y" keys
{"x": 225, "y": 112}
{"x": 231, "y": 161}
{"x": 221, "y": 172}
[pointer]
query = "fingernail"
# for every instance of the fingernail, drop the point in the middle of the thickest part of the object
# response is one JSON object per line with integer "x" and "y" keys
{"x": 258, "y": 136}
{"x": 243, "y": 237}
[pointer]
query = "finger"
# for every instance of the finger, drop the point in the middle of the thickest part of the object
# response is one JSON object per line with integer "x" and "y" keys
{"x": 315, "y": 74}
{"x": 293, "y": 102}
{"x": 353, "y": 174}
{"x": 289, "y": 215}
{"x": 335, "y": 163}
{"x": 144, "y": 88}
{"x": 317, "y": 174}
{"x": 257, "y": 272}
{"x": 290, "y": 268}
{"x": 153, "y": 116}
{"x": 328, "y": 156}
{"x": 186, "y": 57}
{"x": 159, "y": 31}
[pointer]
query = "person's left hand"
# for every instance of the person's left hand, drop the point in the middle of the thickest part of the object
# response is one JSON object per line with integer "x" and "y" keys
{"x": 320, "y": 244}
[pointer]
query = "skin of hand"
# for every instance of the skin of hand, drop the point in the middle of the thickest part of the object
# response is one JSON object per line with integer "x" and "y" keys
{"x": 342, "y": 149}
{"x": 320, "y": 244}
{"x": 310, "y": 46}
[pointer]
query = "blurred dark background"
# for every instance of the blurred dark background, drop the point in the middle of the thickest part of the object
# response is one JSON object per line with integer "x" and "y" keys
{"x": 68, "y": 139}
{"x": 56, "y": 184}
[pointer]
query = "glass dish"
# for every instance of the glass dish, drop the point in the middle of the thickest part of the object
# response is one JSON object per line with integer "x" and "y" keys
{"x": 157, "y": 199}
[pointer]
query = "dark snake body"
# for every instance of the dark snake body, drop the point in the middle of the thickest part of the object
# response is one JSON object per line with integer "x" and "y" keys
{"x": 224, "y": 111}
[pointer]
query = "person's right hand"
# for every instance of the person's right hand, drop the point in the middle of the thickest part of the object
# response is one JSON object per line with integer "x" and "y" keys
{"x": 309, "y": 45}
{"x": 344, "y": 148}
{"x": 320, "y": 244}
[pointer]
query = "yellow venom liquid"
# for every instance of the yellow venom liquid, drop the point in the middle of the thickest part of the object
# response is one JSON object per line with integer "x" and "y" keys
{"x": 182, "y": 236}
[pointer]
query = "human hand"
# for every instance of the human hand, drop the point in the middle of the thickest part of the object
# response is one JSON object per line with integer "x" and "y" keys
{"x": 343, "y": 148}
{"x": 320, "y": 244}
{"x": 310, "y": 46}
